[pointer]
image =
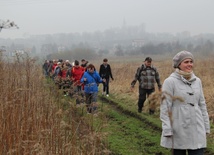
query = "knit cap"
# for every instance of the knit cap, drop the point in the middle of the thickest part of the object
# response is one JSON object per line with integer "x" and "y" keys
{"x": 180, "y": 56}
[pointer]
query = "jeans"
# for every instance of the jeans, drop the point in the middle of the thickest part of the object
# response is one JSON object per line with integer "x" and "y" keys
{"x": 190, "y": 152}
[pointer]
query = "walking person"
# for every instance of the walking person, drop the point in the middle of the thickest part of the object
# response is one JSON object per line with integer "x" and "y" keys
{"x": 45, "y": 67}
{"x": 50, "y": 68}
{"x": 183, "y": 111}
{"x": 147, "y": 75}
{"x": 84, "y": 64}
{"x": 57, "y": 70}
{"x": 91, "y": 79}
{"x": 53, "y": 66}
{"x": 76, "y": 74}
{"x": 105, "y": 73}
{"x": 68, "y": 64}
{"x": 64, "y": 79}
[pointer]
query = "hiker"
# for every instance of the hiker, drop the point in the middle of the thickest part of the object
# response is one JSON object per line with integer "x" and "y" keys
{"x": 57, "y": 70}
{"x": 183, "y": 111}
{"x": 91, "y": 79}
{"x": 53, "y": 66}
{"x": 68, "y": 64}
{"x": 50, "y": 68}
{"x": 65, "y": 81}
{"x": 45, "y": 67}
{"x": 76, "y": 74}
{"x": 147, "y": 75}
{"x": 84, "y": 64}
{"x": 69, "y": 68}
{"x": 105, "y": 73}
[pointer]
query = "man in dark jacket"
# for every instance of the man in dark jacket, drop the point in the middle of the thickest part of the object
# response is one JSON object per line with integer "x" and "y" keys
{"x": 105, "y": 73}
{"x": 147, "y": 75}
{"x": 45, "y": 68}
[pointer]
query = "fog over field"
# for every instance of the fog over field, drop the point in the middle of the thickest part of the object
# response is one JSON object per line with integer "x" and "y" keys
{"x": 37, "y": 17}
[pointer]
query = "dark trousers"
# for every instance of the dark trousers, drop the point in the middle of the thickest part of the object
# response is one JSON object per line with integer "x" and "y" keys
{"x": 78, "y": 88}
{"x": 190, "y": 152}
{"x": 91, "y": 100}
{"x": 106, "y": 86}
{"x": 143, "y": 93}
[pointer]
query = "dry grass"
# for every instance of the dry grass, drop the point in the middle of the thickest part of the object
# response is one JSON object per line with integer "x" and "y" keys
{"x": 33, "y": 119}
{"x": 124, "y": 71}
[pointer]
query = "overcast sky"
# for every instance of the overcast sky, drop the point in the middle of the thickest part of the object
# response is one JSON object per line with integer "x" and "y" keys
{"x": 35, "y": 17}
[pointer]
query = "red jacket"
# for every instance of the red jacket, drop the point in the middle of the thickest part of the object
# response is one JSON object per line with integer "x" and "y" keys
{"x": 76, "y": 74}
{"x": 53, "y": 67}
{"x": 63, "y": 73}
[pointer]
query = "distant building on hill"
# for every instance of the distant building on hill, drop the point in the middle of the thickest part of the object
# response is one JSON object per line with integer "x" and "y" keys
{"x": 138, "y": 43}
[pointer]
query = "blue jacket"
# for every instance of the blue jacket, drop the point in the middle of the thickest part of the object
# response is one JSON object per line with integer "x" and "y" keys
{"x": 91, "y": 84}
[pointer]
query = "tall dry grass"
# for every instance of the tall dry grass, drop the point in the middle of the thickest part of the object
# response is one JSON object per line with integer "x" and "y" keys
{"x": 33, "y": 117}
{"x": 124, "y": 71}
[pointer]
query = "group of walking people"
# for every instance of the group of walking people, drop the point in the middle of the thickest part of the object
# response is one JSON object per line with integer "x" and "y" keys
{"x": 80, "y": 79}
{"x": 183, "y": 110}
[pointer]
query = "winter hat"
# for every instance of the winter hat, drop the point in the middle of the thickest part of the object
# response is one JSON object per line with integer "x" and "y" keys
{"x": 180, "y": 56}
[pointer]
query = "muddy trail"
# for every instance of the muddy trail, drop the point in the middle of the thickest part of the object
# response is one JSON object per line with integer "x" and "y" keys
{"x": 133, "y": 133}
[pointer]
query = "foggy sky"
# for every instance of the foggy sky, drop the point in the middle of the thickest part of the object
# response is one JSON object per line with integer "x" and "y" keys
{"x": 35, "y": 17}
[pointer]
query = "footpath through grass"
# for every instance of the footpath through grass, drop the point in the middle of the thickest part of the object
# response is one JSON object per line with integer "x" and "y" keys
{"x": 130, "y": 136}
{"x": 132, "y": 133}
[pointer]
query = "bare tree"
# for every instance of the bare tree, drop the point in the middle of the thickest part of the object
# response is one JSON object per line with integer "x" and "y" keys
{"x": 7, "y": 24}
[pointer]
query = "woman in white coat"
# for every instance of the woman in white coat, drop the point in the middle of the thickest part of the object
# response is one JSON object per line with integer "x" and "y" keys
{"x": 183, "y": 111}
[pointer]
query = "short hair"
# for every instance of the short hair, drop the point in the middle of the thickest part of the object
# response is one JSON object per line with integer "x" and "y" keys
{"x": 105, "y": 60}
{"x": 83, "y": 60}
{"x": 76, "y": 62}
{"x": 148, "y": 59}
{"x": 91, "y": 66}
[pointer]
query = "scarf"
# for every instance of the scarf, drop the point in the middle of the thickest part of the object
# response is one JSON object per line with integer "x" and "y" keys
{"x": 185, "y": 75}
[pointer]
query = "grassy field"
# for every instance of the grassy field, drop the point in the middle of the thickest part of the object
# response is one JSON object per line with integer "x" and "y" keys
{"x": 36, "y": 118}
{"x": 124, "y": 70}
